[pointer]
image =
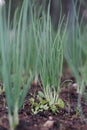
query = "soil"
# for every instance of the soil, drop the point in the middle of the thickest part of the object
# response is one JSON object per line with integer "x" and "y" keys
{"x": 68, "y": 118}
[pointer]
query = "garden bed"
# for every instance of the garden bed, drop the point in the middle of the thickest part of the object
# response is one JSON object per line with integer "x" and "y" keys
{"x": 67, "y": 118}
{"x": 35, "y": 50}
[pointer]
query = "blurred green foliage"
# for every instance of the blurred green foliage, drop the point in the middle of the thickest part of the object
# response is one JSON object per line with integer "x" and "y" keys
{"x": 57, "y": 7}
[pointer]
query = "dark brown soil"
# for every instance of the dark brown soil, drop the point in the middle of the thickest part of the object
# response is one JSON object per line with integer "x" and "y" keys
{"x": 68, "y": 118}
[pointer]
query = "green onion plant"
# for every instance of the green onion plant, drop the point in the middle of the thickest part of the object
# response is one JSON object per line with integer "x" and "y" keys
{"x": 76, "y": 56}
{"x": 15, "y": 54}
{"x": 51, "y": 56}
{"x": 72, "y": 49}
{"x": 83, "y": 71}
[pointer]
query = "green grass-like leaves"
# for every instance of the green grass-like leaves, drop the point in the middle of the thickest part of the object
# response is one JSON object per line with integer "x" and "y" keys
{"x": 16, "y": 61}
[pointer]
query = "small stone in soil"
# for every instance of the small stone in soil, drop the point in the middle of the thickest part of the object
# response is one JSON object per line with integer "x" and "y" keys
{"x": 48, "y": 124}
{"x": 50, "y": 117}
